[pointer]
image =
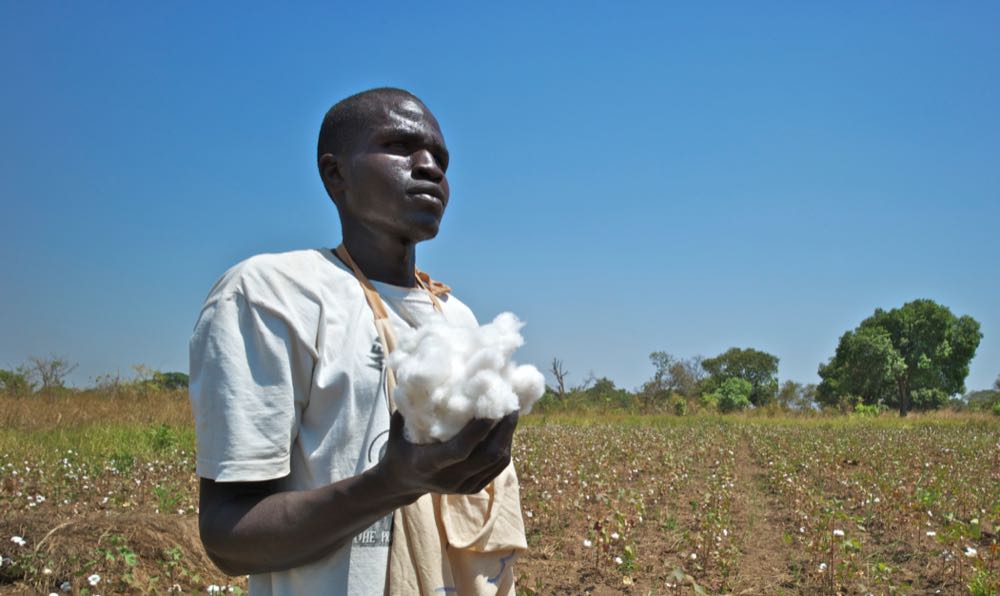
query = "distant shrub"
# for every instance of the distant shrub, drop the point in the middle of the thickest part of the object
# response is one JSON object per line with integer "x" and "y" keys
{"x": 15, "y": 382}
{"x": 734, "y": 394}
{"x": 996, "y": 408}
{"x": 171, "y": 380}
{"x": 983, "y": 399}
{"x": 861, "y": 409}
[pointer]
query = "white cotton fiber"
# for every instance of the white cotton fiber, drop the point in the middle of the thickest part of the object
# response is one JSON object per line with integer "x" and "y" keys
{"x": 446, "y": 375}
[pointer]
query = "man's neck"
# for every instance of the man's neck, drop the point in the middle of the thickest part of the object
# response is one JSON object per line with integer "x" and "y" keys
{"x": 382, "y": 259}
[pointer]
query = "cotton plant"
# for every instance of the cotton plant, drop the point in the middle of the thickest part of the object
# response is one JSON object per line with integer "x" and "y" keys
{"x": 447, "y": 374}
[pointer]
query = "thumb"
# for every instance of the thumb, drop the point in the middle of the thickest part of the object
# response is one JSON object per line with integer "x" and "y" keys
{"x": 396, "y": 426}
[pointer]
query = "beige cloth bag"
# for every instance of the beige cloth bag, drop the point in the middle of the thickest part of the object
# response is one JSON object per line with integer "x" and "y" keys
{"x": 452, "y": 544}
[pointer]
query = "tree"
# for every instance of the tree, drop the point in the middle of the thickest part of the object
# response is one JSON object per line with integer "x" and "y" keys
{"x": 733, "y": 394}
{"x": 686, "y": 376}
{"x": 662, "y": 361}
{"x": 560, "y": 374}
{"x": 16, "y": 382}
{"x": 657, "y": 390}
{"x": 807, "y": 398}
{"x": 149, "y": 378}
{"x": 982, "y": 399}
{"x": 672, "y": 376}
{"x": 760, "y": 369}
{"x": 604, "y": 392}
{"x": 50, "y": 372}
{"x": 796, "y": 396}
{"x": 865, "y": 365}
{"x": 915, "y": 356}
{"x": 171, "y": 380}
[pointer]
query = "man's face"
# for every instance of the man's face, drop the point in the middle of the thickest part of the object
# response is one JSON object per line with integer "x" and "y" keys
{"x": 394, "y": 179}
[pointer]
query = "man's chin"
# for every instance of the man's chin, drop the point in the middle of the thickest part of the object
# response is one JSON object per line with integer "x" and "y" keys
{"x": 424, "y": 228}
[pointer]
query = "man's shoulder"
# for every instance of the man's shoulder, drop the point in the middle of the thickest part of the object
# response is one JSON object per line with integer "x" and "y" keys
{"x": 457, "y": 311}
{"x": 298, "y": 272}
{"x": 285, "y": 263}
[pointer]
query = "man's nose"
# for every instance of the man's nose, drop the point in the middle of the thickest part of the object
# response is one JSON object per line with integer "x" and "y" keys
{"x": 425, "y": 167}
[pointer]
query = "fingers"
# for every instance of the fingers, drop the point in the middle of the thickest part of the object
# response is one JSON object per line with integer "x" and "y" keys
{"x": 508, "y": 425}
{"x": 462, "y": 445}
{"x": 481, "y": 481}
{"x": 467, "y": 462}
{"x": 490, "y": 457}
{"x": 503, "y": 433}
{"x": 396, "y": 425}
{"x": 496, "y": 445}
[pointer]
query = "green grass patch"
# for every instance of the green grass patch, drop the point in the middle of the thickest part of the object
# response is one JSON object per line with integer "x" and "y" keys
{"x": 97, "y": 440}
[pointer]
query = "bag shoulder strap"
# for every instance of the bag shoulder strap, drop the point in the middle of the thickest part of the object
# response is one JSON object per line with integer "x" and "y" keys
{"x": 381, "y": 315}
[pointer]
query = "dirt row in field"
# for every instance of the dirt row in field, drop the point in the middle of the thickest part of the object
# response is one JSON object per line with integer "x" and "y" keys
{"x": 715, "y": 530}
{"x": 766, "y": 556}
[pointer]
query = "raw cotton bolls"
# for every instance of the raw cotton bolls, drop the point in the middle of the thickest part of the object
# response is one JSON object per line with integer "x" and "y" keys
{"x": 446, "y": 375}
{"x": 526, "y": 380}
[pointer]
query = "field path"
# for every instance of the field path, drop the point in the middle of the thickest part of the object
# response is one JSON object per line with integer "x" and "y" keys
{"x": 767, "y": 559}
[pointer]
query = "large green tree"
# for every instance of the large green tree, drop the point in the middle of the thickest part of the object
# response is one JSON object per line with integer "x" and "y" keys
{"x": 760, "y": 369}
{"x": 915, "y": 356}
{"x": 865, "y": 366}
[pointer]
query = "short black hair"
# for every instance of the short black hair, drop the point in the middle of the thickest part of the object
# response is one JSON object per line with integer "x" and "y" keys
{"x": 345, "y": 121}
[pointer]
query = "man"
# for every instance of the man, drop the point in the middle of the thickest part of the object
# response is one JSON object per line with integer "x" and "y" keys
{"x": 301, "y": 462}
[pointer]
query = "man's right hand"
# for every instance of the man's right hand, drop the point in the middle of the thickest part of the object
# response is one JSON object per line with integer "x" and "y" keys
{"x": 257, "y": 527}
{"x": 464, "y": 464}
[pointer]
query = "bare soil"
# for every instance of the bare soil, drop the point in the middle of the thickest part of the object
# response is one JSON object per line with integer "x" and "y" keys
{"x": 768, "y": 560}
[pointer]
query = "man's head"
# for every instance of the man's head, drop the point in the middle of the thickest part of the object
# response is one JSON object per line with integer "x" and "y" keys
{"x": 382, "y": 158}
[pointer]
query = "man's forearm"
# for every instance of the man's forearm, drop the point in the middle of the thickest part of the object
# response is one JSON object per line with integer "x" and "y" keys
{"x": 258, "y": 531}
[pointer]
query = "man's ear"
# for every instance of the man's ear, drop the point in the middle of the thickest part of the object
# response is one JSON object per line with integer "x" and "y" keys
{"x": 333, "y": 178}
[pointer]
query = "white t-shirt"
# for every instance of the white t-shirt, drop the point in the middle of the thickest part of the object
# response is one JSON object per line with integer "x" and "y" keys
{"x": 287, "y": 382}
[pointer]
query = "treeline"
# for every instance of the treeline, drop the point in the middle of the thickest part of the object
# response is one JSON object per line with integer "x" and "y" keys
{"x": 737, "y": 379}
{"x": 47, "y": 375}
{"x": 915, "y": 357}
{"x": 689, "y": 389}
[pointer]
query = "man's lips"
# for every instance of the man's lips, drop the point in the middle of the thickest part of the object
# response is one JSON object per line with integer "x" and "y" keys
{"x": 429, "y": 195}
{"x": 430, "y": 190}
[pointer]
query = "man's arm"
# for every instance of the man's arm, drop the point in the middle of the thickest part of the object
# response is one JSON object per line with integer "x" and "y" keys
{"x": 253, "y": 527}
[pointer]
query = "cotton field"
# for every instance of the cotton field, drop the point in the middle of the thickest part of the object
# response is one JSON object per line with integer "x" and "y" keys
{"x": 102, "y": 499}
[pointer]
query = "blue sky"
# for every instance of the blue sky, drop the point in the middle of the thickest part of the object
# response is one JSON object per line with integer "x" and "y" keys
{"x": 626, "y": 179}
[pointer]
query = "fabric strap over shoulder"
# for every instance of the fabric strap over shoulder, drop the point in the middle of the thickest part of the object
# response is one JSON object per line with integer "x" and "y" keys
{"x": 463, "y": 544}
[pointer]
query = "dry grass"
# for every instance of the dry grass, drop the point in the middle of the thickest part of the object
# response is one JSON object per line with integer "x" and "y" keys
{"x": 73, "y": 410}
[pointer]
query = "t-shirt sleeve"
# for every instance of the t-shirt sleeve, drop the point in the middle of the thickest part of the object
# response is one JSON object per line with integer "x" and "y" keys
{"x": 458, "y": 313}
{"x": 250, "y": 378}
